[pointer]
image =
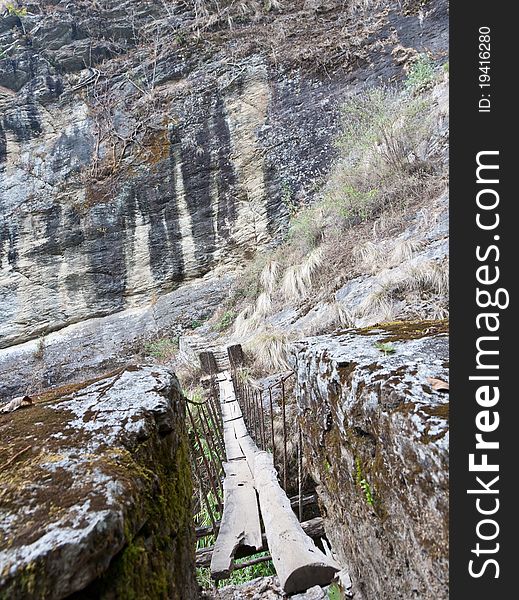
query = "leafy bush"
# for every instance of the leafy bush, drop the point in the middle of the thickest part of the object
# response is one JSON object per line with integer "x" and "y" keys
{"x": 421, "y": 74}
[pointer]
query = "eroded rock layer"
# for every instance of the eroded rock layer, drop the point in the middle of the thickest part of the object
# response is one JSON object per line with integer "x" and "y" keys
{"x": 145, "y": 144}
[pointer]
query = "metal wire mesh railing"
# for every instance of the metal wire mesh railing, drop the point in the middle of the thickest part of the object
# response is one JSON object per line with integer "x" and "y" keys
{"x": 257, "y": 405}
{"x": 208, "y": 453}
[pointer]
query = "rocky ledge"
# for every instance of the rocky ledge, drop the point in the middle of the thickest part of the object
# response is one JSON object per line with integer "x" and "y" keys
{"x": 95, "y": 493}
{"x": 375, "y": 409}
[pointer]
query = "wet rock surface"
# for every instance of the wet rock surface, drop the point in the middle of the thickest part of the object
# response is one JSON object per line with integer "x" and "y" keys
{"x": 376, "y": 437}
{"x": 96, "y": 493}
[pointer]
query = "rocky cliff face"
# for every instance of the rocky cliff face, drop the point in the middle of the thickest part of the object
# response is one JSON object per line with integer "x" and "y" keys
{"x": 96, "y": 493}
{"x": 376, "y": 437}
{"x": 122, "y": 180}
{"x": 147, "y": 144}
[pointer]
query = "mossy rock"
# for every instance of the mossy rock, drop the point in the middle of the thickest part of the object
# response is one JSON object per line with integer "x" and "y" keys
{"x": 376, "y": 436}
{"x": 96, "y": 491}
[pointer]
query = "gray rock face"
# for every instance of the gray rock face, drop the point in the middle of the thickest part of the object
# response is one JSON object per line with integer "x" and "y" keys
{"x": 96, "y": 493}
{"x": 100, "y": 345}
{"x": 376, "y": 437}
{"x": 142, "y": 146}
{"x": 115, "y": 192}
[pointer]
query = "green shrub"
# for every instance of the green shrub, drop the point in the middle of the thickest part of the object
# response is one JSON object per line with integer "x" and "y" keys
{"x": 351, "y": 204}
{"x": 306, "y": 227}
{"x": 225, "y": 321}
{"x": 421, "y": 74}
{"x": 162, "y": 349}
{"x": 382, "y": 129}
{"x": 16, "y": 11}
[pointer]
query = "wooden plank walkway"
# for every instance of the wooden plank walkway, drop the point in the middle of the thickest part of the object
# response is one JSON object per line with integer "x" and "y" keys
{"x": 251, "y": 476}
{"x": 313, "y": 527}
{"x": 240, "y": 526}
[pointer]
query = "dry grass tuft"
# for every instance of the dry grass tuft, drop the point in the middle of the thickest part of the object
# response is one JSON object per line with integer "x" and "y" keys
{"x": 244, "y": 324}
{"x": 429, "y": 277}
{"x": 263, "y": 304}
{"x": 427, "y": 281}
{"x": 299, "y": 279}
{"x": 189, "y": 375}
{"x": 373, "y": 257}
{"x": 269, "y": 351}
{"x": 269, "y": 275}
{"x": 380, "y": 305}
{"x": 404, "y": 250}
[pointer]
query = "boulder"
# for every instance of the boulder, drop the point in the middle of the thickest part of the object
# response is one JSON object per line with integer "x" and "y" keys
{"x": 96, "y": 491}
{"x": 376, "y": 441}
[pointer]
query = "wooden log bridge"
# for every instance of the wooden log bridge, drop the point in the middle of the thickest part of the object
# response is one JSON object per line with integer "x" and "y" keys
{"x": 251, "y": 489}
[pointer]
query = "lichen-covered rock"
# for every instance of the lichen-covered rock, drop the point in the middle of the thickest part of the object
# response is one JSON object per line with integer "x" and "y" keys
{"x": 376, "y": 437}
{"x": 95, "y": 493}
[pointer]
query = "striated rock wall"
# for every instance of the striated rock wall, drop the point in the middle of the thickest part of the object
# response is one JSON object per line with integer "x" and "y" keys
{"x": 123, "y": 188}
{"x": 147, "y": 147}
{"x": 144, "y": 144}
{"x": 96, "y": 493}
{"x": 376, "y": 441}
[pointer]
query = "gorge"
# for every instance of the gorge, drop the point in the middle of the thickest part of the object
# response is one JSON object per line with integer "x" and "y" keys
{"x": 181, "y": 177}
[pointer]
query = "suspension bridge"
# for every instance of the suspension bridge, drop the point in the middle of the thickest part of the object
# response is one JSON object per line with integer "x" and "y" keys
{"x": 237, "y": 423}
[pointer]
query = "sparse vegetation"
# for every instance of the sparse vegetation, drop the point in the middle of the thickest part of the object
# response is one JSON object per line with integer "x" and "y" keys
{"x": 225, "y": 320}
{"x": 264, "y": 569}
{"x": 385, "y": 165}
{"x": 163, "y": 349}
{"x": 361, "y": 481}
{"x": 17, "y": 11}
{"x": 385, "y": 347}
{"x": 426, "y": 280}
